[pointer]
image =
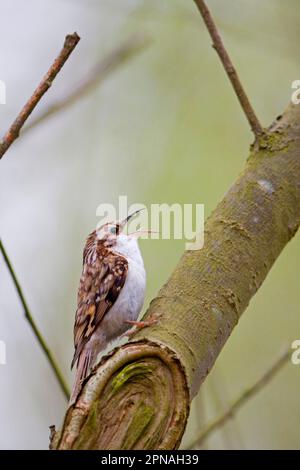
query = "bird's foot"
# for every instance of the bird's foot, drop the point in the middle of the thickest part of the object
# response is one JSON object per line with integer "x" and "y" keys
{"x": 139, "y": 325}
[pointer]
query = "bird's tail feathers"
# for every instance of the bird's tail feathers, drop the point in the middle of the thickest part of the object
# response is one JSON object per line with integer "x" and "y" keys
{"x": 83, "y": 368}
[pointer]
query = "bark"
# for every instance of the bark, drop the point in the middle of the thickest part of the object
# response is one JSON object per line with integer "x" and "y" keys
{"x": 138, "y": 396}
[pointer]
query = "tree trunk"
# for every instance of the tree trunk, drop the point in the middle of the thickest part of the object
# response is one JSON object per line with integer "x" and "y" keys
{"x": 138, "y": 396}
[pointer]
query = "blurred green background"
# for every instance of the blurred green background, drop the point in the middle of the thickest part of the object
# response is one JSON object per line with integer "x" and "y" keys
{"x": 164, "y": 127}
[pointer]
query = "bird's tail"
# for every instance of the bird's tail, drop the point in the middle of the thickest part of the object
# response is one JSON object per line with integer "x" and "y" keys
{"x": 84, "y": 364}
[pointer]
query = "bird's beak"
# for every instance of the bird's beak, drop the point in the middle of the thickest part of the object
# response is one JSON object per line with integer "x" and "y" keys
{"x": 141, "y": 233}
{"x": 129, "y": 217}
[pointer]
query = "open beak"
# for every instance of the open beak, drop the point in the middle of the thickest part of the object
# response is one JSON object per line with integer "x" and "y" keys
{"x": 140, "y": 233}
{"x": 129, "y": 217}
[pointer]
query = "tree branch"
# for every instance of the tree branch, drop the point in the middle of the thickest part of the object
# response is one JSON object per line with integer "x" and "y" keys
{"x": 229, "y": 68}
{"x": 36, "y": 332}
{"x": 241, "y": 400}
{"x": 104, "y": 67}
{"x": 138, "y": 396}
{"x": 14, "y": 130}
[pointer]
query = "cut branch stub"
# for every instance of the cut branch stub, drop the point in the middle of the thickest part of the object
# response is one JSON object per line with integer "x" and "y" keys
{"x": 137, "y": 398}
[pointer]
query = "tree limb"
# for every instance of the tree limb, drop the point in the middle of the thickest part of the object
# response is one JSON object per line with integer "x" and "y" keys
{"x": 241, "y": 400}
{"x": 53, "y": 364}
{"x": 138, "y": 396}
{"x": 14, "y": 130}
{"x": 104, "y": 67}
{"x": 229, "y": 68}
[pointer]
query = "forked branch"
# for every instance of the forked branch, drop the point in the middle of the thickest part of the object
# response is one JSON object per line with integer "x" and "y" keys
{"x": 101, "y": 70}
{"x": 13, "y": 132}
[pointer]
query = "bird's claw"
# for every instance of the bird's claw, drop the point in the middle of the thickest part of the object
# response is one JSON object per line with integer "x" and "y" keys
{"x": 139, "y": 325}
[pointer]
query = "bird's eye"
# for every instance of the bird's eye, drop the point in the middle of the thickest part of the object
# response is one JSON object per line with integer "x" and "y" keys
{"x": 113, "y": 230}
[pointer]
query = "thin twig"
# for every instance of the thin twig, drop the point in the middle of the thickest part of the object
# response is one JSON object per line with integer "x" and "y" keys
{"x": 229, "y": 68}
{"x": 104, "y": 67}
{"x": 14, "y": 130}
{"x": 241, "y": 400}
{"x": 35, "y": 329}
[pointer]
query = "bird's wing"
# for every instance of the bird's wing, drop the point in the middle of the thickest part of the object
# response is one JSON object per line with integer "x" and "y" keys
{"x": 100, "y": 285}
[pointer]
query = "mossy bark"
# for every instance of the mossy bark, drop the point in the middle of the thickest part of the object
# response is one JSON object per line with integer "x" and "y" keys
{"x": 138, "y": 397}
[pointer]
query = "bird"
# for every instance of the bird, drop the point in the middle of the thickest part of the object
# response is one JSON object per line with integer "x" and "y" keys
{"x": 110, "y": 295}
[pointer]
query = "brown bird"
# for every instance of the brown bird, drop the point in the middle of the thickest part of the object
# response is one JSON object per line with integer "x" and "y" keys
{"x": 110, "y": 294}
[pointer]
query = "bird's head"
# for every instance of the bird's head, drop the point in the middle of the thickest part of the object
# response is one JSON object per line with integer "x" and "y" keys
{"x": 112, "y": 232}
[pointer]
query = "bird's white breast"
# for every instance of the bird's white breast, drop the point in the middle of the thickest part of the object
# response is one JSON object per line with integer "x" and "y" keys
{"x": 131, "y": 298}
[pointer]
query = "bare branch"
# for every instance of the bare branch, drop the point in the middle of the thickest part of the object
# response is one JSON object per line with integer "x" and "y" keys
{"x": 104, "y": 67}
{"x": 241, "y": 400}
{"x": 36, "y": 332}
{"x": 14, "y": 130}
{"x": 229, "y": 68}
